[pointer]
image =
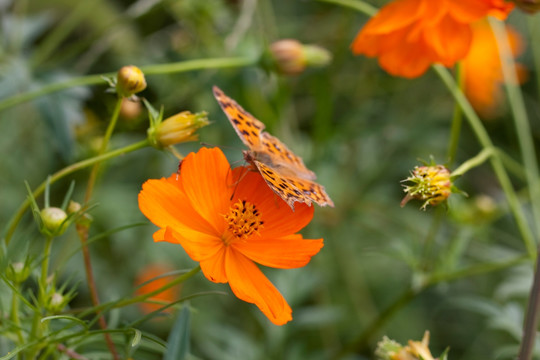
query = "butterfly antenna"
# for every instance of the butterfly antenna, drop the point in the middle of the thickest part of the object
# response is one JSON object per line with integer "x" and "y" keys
{"x": 237, "y": 181}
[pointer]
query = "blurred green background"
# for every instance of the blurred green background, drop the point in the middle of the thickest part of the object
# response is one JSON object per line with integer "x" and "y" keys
{"x": 360, "y": 129}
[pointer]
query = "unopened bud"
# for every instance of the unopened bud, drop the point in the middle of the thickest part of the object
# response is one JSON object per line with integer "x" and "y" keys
{"x": 18, "y": 272}
{"x": 177, "y": 128}
{"x": 54, "y": 221}
{"x": 290, "y": 57}
{"x": 430, "y": 184}
{"x": 130, "y": 80}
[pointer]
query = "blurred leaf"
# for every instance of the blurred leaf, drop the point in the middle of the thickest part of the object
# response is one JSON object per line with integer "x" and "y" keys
{"x": 178, "y": 341}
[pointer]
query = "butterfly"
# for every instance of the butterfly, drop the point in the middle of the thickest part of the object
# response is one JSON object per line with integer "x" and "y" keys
{"x": 283, "y": 171}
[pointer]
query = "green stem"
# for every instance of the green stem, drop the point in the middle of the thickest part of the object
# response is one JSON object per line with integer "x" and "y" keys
{"x": 496, "y": 163}
{"x": 45, "y": 268}
{"x": 59, "y": 33}
{"x": 184, "y": 66}
{"x": 409, "y": 294}
{"x": 142, "y": 297}
{"x": 37, "y": 325}
{"x": 531, "y": 320}
{"x": 473, "y": 162}
{"x": 83, "y": 230}
{"x": 104, "y": 145}
{"x": 14, "y": 221}
{"x": 15, "y": 316}
{"x": 523, "y": 129}
{"x": 457, "y": 120}
{"x": 356, "y": 5}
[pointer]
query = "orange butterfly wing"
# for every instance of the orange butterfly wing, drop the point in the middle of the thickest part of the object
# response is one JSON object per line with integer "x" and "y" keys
{"x": 283, "y": 171}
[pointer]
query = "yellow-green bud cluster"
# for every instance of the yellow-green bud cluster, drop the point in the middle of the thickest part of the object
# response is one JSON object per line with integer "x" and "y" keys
{"x": 430, "y": 184}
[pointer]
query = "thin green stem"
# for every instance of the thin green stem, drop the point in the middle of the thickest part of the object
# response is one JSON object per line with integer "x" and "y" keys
{"x": 45, "y": 267}
{"x": 360, "y": 342}
{"x": 478, "y": 160}
{"x": 83, "y": 230}
{"x": 523, "y": 129}
{"x": 14, "y": 221}
{"x": 178, "y": 67}
{"x": 356, "y": 5}
{"x": 125, "y": 302}
{"x": 104, "y": 145}
{"x": 457, "y": 120}
{"x": 500, "y": 172}
{"x": 60, "y": 33}
{"x": 531, "y": 320}
{"x": 15, "y": 316}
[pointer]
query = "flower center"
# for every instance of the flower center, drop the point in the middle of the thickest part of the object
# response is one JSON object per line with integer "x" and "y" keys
{"x": 243, "y": 219}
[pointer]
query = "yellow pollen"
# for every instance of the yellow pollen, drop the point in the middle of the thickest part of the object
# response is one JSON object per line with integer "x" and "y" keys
{"x": 243, "y": 219}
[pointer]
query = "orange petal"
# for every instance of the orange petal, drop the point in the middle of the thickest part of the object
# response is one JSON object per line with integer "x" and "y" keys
{"x": 279, "y": 219}
{"x": 199, "y": 246}
{"x": 214, "y": 267}
{"x": 206, "y": 180}
{"x": 288, "y": 252}
{"x": 166, "y": 205}
{"x": 450, "y": 40}
{"x": 248, "y": 283}
{"x": 405, "y": 61}
{"x": 395, "y": 15}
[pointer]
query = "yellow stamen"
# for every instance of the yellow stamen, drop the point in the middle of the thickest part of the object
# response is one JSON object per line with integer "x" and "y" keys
{"x": 243, "y": 220}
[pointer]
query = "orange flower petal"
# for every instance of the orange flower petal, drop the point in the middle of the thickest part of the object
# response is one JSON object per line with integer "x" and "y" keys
{"x": 482, "y": 69}
{"x": 198, "y": 246}
{"x": 162, "y": 202}
{"x": 410, "y": 35}
{"x": 206, "y": 179}
{"x": 279, "y": 219}
{"x": 214, "y": 267}
{"x": 148, "y": 273}
{"x": 408, "y": 64}
{"x": 249, "y": 284}
{"x": 450, "y": 40}
{"x": 288, "y": 252}
{"x": 394, "y": 16}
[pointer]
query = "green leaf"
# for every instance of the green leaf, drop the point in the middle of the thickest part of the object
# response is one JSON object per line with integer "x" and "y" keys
{"x": 178, "y": 341}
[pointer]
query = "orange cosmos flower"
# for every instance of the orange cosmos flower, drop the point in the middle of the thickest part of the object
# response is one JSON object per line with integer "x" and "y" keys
{"x": 409, "y": 35}
{"x": 227, "y": 220}
{"x": 153, "y": 271}
{"x": 482, "y": 69}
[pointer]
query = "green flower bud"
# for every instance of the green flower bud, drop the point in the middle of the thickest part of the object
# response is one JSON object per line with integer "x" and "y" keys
{"x": 54, "y": 221}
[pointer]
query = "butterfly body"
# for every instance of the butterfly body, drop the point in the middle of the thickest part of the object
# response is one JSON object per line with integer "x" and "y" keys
{"x": 283, "y": 171}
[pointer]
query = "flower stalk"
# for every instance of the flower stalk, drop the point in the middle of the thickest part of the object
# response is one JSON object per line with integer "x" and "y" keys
{"x": 498, "y": 168}
{"x": 171, "y": 68}
{"x": 14, "y": 221}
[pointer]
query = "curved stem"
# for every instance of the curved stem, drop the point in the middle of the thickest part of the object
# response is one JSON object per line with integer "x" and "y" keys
{"x": 521, "y": 121}
{"x": 15, "y": 316}
{"x": 142, "y": 297}
{"x": 498, "y": 168}
{"x": 14, "y": 221}
{"x": 478, "y": 160}
{"x": 409, "y": 294}
{"x": 104, "y": 144}
{"x": 183, "y": 66}
{"x": 457, "y": 120}
{"x": 83, "y": 229}
{"x": 531, "y": 320}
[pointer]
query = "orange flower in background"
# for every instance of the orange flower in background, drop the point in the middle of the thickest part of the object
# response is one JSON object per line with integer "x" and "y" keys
{"x": 228, "y": 220}
{"x": 153, "y": 271}
{"x": 408, "y": 36}
{"x": 482, "y": 69}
